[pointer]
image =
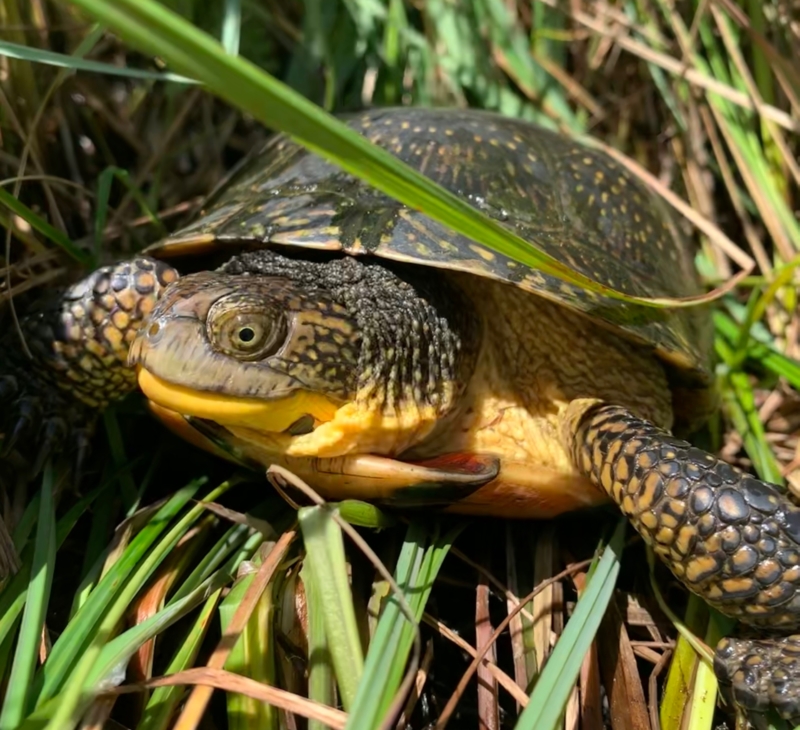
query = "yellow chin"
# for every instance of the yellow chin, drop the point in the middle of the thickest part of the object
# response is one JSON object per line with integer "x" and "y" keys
{"x": 260, "y": 415}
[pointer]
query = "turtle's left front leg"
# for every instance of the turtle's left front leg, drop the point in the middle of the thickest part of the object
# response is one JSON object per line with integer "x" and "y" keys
{"x": 78, "y": 341}
{"x": 732, "y": 539}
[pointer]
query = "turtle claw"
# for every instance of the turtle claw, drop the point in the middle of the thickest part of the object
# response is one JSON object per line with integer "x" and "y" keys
{"x": 28, "y": 418}
{"x": 53, "y": 435}
{"x": 83, "y": 447}
{"x": 756, "y": 674}
{"x": 9, "y": 388}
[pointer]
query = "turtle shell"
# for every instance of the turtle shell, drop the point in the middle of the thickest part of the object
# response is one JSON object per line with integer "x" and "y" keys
{"x": 575, "y": 203}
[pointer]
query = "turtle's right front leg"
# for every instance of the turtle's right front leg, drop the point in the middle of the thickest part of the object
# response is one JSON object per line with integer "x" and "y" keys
{"x": 78, "y": 341}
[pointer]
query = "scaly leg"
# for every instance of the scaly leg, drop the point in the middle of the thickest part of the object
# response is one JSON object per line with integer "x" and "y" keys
{"x": 732, "y": 539}
{"x": 79, "y": 340}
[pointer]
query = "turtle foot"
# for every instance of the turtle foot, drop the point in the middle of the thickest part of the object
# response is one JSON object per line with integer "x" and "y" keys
{"x": 35, "y": 423}
{"x": 758, "y": 674}
{"x": 76, "y": 364}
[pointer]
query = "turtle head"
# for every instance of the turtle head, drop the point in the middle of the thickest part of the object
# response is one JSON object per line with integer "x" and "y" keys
{"x": 306, "y": 359}
{"x": 258, "y": 352}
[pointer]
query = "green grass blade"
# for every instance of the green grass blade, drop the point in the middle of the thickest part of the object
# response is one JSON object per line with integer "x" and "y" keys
{"x": 550, "y": 695}
{"x": 420, "y": 561}
{"x": 39, "y": 55}
{"x": 760, "y": 348}
{"x": 40, "y": 224}
{"x": 327, "y": 566}
{"x": 71, "y": 645}
{"x": 15, "y": 593}
{"x": 150, "y": 26}
{"x": 85, "y": 664}
{"x": 682, "y": 668}
{"x": 232, "y": 26}
{"x": 253, "y": 654}
{"x": 108, "y": 660}
{"x": 30, "y": 636}
{"x": 320, "y": 667}
{"x": 163, "y": 702}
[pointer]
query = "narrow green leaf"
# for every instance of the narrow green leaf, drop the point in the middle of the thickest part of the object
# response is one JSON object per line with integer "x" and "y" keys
{"x": 65, "y": 710}
{"x": 674, "y": 710}
{"x": 40, "y": 224}
{"x": 30, "y": 636}
{"x": 39, "y": 55}
{"x": 320, "y": 667}
{"x": 82, "y": 631}
{"x": 420, "y": 561}
{"x": 160, "y": 709}
{"x": 327, "y": 566}
{"x": 550, "y": 695}
{"x": 232, "y": 26}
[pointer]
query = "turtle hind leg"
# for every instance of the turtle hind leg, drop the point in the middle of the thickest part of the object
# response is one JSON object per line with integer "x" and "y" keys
{"x": 730, "y": 538}
{"x": 78, "y": 341}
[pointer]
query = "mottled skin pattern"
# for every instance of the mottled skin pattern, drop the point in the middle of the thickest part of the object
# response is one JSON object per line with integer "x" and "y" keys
{"x": 521, "y": 394}
{"x": 730, "y": 538}
{"x": 78, "y": 341}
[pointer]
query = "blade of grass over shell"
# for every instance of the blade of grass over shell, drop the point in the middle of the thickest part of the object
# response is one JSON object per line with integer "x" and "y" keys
{"x": 17, "y": 698}
{"x": 51, "y": 58}
{"x": 552, "y": 690}
{"x": 327, "y": 569}
{"x": 150, "y": 26}
{"x": 421, "y": 557}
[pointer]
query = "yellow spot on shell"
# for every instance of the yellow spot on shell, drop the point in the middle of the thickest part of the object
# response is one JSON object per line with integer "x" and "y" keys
{"x": 484, "y": 253}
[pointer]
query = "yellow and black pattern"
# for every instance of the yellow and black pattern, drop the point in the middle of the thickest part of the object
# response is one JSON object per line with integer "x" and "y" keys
{"x": 732, "y": 539}
{"x": 80, "y": 342}
{"x": 729, "y": 537}
{"x": 577, "y": 204}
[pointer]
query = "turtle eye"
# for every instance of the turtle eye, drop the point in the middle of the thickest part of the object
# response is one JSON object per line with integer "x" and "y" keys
{"x": 245, "y": 333}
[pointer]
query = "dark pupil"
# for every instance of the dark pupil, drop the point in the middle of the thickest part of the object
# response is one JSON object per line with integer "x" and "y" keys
{"x": 246, "y": 334}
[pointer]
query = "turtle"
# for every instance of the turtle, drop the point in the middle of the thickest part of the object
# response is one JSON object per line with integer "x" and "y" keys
{"x": 321, "y": 325}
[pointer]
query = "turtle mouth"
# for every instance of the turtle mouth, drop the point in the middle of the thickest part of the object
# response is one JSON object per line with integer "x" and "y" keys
{"x": 294, "y": 415}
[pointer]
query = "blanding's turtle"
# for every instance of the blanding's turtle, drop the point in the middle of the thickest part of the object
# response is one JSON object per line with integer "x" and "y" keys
{"x": 380, "y": 356}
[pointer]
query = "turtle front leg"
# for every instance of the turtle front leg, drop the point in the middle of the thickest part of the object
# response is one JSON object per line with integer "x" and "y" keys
{"x": 78, "y": 340}
{"x": 732, "y": 539}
